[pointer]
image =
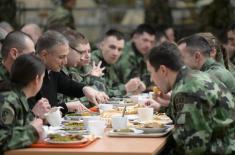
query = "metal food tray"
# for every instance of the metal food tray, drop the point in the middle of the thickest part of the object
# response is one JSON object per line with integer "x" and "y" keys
{"x": 150, "y": 135}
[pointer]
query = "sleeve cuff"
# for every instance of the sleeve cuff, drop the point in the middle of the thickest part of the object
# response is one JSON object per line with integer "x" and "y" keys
{"x": 32, "y": 133}
{"x": 65, "y": 109}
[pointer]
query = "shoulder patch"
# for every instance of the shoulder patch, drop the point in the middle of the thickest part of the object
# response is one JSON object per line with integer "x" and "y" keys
{"x": 7, "y": 115}
{"x": 179, "y": 101}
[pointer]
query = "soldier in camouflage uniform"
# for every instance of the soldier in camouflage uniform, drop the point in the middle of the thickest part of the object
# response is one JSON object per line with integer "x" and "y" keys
{"x": 110, "y": 51}
{"x": 62, "y": 15}
{"x": 218, "y": 52}
{"x": 16, "y": 43}
{"x": 78, "y": 65}
{"x": 132, "y": 61}
{"x": 202, "y": 110}
{"x": 195, "y": 52}
{"x": 18, "y": 127}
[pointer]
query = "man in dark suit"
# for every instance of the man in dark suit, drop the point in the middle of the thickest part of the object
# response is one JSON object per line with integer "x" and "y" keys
{"x": 53, "y": 48}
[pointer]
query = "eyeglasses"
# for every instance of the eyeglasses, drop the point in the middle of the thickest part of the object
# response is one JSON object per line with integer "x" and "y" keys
{"x": 80, "y": 52}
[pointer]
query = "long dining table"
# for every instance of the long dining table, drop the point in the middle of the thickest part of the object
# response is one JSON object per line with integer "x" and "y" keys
{"x": 104, "y": 146}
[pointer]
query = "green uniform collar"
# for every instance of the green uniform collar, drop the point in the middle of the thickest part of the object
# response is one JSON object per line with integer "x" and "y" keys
{"x": 182, "y": 72}
{"x": 4, "y": 72}
{"x": 100, "y": 56}
{"x": 136, "y": 51}
{"x": 207, "y": 64}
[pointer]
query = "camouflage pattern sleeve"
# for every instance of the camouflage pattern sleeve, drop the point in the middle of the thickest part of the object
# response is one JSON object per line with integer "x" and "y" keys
{"x": 118, "y": 91}
{"x": 203, "y": 113}
{"x": 61, "y": 16}
{"x": 15, "y": 130}
{"x": 232, "y": 68}
{"x": 191, "y": 133}
{"x": 125, "y": 63}
{"x": 132, "y": 64}
{"x": 4, "y": 75}
{"x": 221, "y": 73}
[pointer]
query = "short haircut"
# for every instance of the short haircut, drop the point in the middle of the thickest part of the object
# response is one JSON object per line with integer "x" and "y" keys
{"x": 6, "y": 26}
{"x": 210, "y": 38}
{"x": 144, "y": 28}
{"x": 196, "y": 43}
{"x": 25, "y": 69}
{"x": 49, "y": 39}
{"x": 14, "y": 39}
{"x": 3, "y": 34}
{"x": 165, "y": 54}
{"x": 74, "y": 37}
{"x": 115, "y": 33}
{"x": 36, "y": 29}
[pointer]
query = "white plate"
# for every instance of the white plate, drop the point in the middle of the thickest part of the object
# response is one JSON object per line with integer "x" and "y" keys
{"x": 153, "y": 130}
{"x": 150, "y": 135}
{"x": 66, "y": 142}
{"x": 132, "y": 117}
{"x": 136, "y": 131}
{"x": 73, "y": 117}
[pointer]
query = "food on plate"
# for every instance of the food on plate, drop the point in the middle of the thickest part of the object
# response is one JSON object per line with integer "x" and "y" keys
{"x": 162, "y": 117}
{"x": 93, "y": 109}
{"x": 127, "y": 100}
{"x": 149, "y": 124}
{"x": 74, "y": 125}
{"x": 123, "y": 130}
{"x": 130, "y": 110}
{"x": 156, "y": 90}
{"x": 65, "y": 138}
{"x": 79, "y": 114}
{"x": 109, "y": 114}
{"x": 152, "y": 124}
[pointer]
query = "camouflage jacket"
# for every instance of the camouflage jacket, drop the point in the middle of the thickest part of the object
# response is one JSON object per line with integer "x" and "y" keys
{"x": 132, "y": 64}
{"x": 217, "y": 70}
{"x": 232, "y": 59}
{"x": 112, "y": 79}
{"x": 61, "y": 17}
{"x": 203, "y": 114}
{"x": 15, "y": 117}
{"x": 81, "y": 75}
{"x": 4, "y": 75}
{"x": 232, "y": 68}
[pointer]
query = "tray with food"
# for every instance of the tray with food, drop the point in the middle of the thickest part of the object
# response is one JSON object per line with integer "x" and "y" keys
{"x": 127, "y": 131}
{"x": 65, "y": 139}
{"x": 121, "y": 102}
{"x": 149, "y": 127}
{"x": 139, "y": 133}
{"x": 78, "y": 116}
{"x": 72, "y": 126}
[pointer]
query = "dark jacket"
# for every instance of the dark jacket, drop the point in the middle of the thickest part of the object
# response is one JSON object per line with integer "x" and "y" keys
{"x": 58, "y": 82}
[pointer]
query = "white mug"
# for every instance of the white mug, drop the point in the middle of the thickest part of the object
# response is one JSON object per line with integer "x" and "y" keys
{"x": 54, "y": 116}
{"x": 86, "y": 119}
{"x": 96, "y": 127}
{"x": 145, "y": 114}
{"x": 119, "y": 122}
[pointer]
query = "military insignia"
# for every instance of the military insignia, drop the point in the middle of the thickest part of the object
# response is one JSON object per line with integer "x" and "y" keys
{"x": 179, "y": 102}
{"x": 7, "y": 115}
